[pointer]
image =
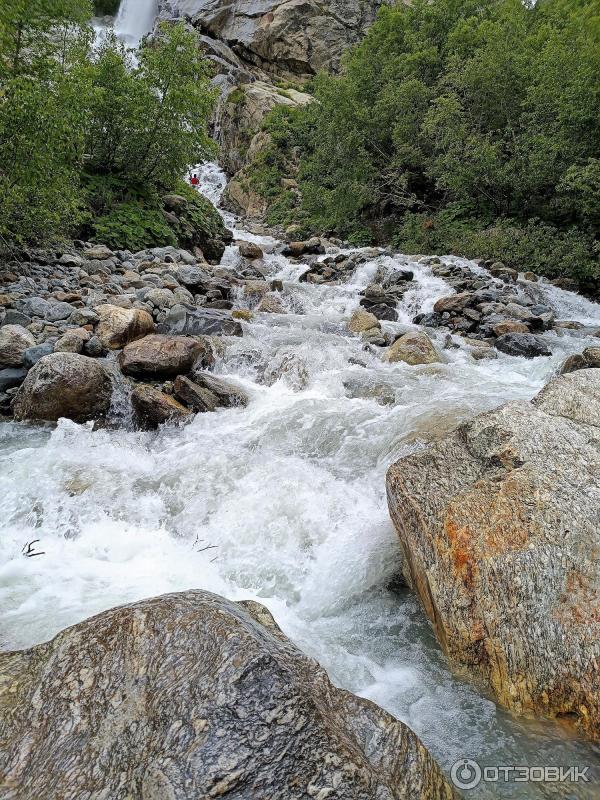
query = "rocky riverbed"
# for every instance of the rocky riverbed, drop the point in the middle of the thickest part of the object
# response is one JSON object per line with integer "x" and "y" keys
{"x": 228, "y": 428}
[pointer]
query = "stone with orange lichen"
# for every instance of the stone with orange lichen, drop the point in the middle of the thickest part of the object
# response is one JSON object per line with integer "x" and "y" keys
{"x": 500, "y": 526}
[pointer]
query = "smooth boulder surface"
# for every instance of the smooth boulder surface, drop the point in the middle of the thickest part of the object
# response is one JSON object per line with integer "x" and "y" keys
{"x": 414, "y": 347}
{"x": 500, "y": 527}
{"x": 160, "y": 356}
{"x": 190, "y": 695}
{"x": 14, "y": 341}
{"x": 64, "y": 385}
{"x": 120, "y": 326}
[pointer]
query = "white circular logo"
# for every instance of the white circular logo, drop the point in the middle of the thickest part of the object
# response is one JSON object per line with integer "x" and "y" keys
{"x": 465, "y": 773}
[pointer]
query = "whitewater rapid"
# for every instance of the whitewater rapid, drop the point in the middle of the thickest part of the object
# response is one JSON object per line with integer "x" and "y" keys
{"x": 289, "y": 493}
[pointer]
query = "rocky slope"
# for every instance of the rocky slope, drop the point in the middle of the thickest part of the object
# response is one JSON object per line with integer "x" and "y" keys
{"x": 500, "y": 526}
{"x": 190, "y": 695}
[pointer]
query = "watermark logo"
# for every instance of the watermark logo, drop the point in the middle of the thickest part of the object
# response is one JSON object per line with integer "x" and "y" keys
{"x": 467, "y": 774}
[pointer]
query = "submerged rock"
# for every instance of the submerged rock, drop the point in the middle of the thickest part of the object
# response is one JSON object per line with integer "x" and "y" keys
{"x": 64, "y": 385}
{"x": 500, "y": 524}
{"x": 190, "y": 695}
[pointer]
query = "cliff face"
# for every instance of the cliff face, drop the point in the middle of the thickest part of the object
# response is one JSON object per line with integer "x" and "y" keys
{"x": 255, "y": 43}
{"x": 294, "y": 38}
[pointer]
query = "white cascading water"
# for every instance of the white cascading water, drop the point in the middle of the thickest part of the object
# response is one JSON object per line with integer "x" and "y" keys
{"x": 290, "y": 493}
{"x": 135, "y": 19}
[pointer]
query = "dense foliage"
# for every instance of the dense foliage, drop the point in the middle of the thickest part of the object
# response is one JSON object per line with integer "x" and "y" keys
{"x": 461, "y": 124}
{"x": 90, "y": 137}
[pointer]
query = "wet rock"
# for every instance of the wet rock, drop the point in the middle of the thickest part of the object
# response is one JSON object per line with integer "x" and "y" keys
{"x": 413, "y": 348}
{"x": 499, "y": 523}
{"x": 271, "y": 304}
{"x": 453, "y": 303}
{"x": 64, "y": 385}
{"x": 250, "y": 250}
{"x": 33, "y": 354}
{"x": 215, "y": 695}
{"x": 242, "y": 313}
{"x": 362, "y": 321}
{"x": 589, "y": 358}
{"x": 382, "y": 311}
{"x": 312, "y": 246}
{"x": 11, "y": 377}
{"x": 228, "y": 393}
{"x": 161, "y": 356}
{"x": 194, "y": 396}
{"x": 525, "y": 345}
{"x": 14, "y": 341}
{"x": 509, "y": 326}
{"x": 152, "y": 407}
{"x": 120, "y": 326}
{"x": 198, "y": 321}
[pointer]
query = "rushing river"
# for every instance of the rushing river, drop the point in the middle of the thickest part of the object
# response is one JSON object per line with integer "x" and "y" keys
{"x": 289, "y": 493}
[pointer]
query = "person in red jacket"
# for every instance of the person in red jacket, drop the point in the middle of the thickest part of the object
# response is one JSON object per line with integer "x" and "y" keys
{"x": 194, "y": 180}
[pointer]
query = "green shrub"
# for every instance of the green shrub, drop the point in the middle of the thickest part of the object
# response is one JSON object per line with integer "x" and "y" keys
{"x": 535, "y": 245}
{"x": 133, "y": 226}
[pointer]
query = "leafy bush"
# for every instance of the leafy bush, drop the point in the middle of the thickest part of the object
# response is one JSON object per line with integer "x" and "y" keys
{"x": 535, "y": 246}
{"x": 133, "y": 226}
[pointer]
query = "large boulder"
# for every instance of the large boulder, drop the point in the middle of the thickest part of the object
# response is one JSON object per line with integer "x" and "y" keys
{"x": 228, "y": 393}
{"x": 64, "y": 385}
{"x": 14, "y": 341}
{"x": 500, "y": 526}
{"x": 414, "y": 347}
{"x": 190, "y": 695}
{"x": 119, "y": 326}
{"x": 192, "y": 321}
{"x": 161, "y": 356}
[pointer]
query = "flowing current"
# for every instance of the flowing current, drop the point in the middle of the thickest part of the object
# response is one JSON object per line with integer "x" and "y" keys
{"x": 289, "y": 493}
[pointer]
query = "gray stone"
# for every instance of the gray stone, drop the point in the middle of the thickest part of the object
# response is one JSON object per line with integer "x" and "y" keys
{"x": 11, "y": 377}
{"x": 14, "y": 341}
{"x": 526, "y": 345}
{"x": 191, "y": 321}
{"x": 64, "y": 385}
{"x": 228, "y": 393}
{"x": 33, "y": 354}
{"x": 190, "y": 695}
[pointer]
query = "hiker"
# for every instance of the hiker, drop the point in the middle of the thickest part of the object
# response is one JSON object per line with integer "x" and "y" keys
{"x": 194, "y": 180}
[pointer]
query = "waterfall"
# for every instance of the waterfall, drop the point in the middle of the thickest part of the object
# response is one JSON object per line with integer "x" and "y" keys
{"x": 135, "y": 19}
